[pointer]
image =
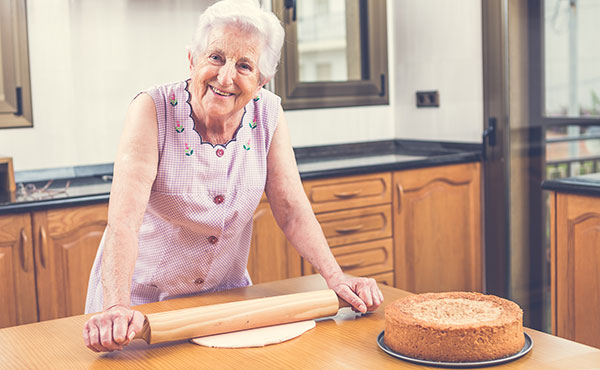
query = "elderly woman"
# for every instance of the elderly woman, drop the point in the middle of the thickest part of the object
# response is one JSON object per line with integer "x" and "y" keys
{"x": 194, "y": 159}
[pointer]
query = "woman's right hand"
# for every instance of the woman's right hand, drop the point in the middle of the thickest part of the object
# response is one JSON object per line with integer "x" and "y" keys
{"x": 112, "y": 329}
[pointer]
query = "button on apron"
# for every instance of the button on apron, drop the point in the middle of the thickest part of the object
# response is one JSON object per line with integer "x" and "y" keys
{"x": 213, "y": 239}
{"x": 220, "y": 152}
{"x": 198, "y": 281}
{"x": 219, "y": 199}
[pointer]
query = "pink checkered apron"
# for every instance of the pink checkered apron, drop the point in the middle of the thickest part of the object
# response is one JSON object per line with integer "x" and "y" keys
{"x": 196, "y": 232}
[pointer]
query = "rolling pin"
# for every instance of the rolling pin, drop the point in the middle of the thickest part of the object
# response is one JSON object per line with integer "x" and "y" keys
{"x": 241, "y": 315}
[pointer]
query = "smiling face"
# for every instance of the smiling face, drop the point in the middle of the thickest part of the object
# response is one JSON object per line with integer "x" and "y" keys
{"x": 226, "y": 76}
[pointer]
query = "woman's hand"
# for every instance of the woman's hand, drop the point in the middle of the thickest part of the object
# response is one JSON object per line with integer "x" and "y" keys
{"x": 112, "y": 329}
{"x": 362, "y": 293}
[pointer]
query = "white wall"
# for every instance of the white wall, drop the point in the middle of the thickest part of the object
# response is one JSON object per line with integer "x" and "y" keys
{"x": 438, "y": 47}
{"x": 89, "y": 58}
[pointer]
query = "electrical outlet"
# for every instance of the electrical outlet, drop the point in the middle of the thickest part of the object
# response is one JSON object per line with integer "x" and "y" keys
{"x": 428, "y": 99}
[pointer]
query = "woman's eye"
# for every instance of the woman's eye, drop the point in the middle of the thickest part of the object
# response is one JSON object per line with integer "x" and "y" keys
{"x": 215, "y": 57}
{"x": 245, "y": 67}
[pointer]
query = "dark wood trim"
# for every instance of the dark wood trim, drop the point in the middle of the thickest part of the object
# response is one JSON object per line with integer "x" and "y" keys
{"x": 371, "y": 90}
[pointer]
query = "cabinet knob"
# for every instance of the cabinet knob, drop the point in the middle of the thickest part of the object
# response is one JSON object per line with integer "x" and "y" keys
{"x": 43, "y": 246}
{"x": 348, "y": 230}
{"x": 351, "y": 266}
{"x": 400, "y": 195}
{"x": 346, "y": 195}
{"x": 23, "y": 251}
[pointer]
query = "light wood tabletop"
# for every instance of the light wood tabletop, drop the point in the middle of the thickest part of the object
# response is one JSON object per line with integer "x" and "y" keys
{"x": 332, "y": 344}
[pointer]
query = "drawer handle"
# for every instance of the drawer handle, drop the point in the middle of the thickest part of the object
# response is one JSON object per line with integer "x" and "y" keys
{"x": 43, "y": 246}
{"x": 23, "y": 253}
{"x": 348, "y": 194}
{"x": 352, "y": 265}
{"x": 400, "y": 195}
{"x": 348, "y": 230}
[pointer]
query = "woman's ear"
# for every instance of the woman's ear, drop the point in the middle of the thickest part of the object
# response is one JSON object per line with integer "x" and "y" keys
{"x": 191, "y": 60}
{"x": 262, "y": 84}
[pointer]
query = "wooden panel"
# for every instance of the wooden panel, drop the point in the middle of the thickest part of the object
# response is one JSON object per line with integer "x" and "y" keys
{"x": 362, "y": 259}
{"x": 578, "y": 268}
{"x": 349, "y": 192}
{"x": 437, "y": 229}
{"x": 17, "y": 277}
{"x": 8, "y": 293}
{"x": 356, "y": 225}
{"x": 271, "y": 257}
{"x": 66, "y": 241}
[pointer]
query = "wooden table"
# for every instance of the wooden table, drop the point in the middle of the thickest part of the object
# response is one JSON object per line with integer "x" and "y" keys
{"x": 349, "y": 344}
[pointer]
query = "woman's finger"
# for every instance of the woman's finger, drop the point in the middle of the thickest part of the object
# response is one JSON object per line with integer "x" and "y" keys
{"x": 95, "y": 341}
{"x": 364, "y": 292}
{"x": 136, "y": 324}
{"x": 350, "y": 296}
{"x": 119, "y": 329}
{"x": 106, "y": 337}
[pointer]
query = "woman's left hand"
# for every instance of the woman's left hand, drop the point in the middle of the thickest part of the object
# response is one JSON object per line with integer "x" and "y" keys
{"x": 362, "y": 293}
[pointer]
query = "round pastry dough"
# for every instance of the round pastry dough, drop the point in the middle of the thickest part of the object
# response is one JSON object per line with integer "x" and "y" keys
{"x": 258, "y": 337}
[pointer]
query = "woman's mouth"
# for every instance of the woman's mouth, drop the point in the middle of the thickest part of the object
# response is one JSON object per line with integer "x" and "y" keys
{"x": 220, "y": 92}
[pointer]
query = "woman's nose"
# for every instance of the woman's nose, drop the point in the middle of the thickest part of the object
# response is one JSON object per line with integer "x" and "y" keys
{"x": 226, "y": 73}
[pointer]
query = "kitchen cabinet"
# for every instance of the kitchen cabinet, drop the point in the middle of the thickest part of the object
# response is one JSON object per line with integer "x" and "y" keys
{"x": 17, "y": 276}
{"x": 575, "y": 267}
{"x": 271, "y": 257}
{"x": 45, "y": 261}
{"x": 356, "y": 217}
{"x": 66, "y": 241}
{"x": 437, "y": 229}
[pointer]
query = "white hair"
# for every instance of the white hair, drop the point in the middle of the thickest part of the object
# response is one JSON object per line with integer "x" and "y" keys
{"x": 248, "y": 16}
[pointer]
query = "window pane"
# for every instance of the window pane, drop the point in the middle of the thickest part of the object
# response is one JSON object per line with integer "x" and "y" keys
{"x": 572, "y": 57}
{"x": 572, "y": 150}
{"x": 328, "y": 40}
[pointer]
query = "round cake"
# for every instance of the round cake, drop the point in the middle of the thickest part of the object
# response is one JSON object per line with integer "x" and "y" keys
{"x": 454, "y": 327}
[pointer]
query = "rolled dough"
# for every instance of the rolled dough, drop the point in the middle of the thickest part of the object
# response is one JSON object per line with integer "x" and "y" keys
{"x": 258, "y": 337}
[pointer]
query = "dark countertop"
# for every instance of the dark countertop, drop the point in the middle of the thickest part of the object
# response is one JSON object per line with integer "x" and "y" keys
{"x": 92, "y": 184}
{"x": 584, "y": 184}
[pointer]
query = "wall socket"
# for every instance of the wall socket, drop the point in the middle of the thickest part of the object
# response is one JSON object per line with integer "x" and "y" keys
{"x": 428, "y": 99}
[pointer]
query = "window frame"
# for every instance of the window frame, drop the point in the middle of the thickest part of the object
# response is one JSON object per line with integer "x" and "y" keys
{"x": 537, "y": 74}
{"x": 372, "y": 89}
{"x": 15, "y": 109}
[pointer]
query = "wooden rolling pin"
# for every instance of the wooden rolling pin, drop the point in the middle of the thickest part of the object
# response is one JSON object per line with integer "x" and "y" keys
{"x": 227, "y": 317}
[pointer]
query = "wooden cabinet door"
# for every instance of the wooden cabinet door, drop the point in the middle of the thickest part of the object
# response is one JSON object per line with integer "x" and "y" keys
{"x": 437, "y": 229}
{"x": 17, "y": 276}
{"x": 577, "y": 268}
{"x": 271, "y": 257}
{"x": 65, "y": 245}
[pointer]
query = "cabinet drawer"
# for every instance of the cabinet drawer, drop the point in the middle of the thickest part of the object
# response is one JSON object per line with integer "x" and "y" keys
{"x": 386, "y": 278}
{"x": 349, "y": 192}
{"x": 356, "y": 225}
{"x": 362, "y": 259}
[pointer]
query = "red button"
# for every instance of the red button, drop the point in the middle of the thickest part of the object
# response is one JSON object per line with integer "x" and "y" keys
{"x": 220, "y": 152}
{"x": 198, "y": 281}
{"x": 213, "y": 239}
{"x": 219, "y": 199}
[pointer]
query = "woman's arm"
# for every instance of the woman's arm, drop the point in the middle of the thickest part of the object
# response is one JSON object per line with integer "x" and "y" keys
{"x": 134, "y": 172}
{"x": 296, "y": 218}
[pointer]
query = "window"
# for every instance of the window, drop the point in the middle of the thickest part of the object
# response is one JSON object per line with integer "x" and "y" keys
{"x": 15, "y": 91}
{"x": 335, "y": 53}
